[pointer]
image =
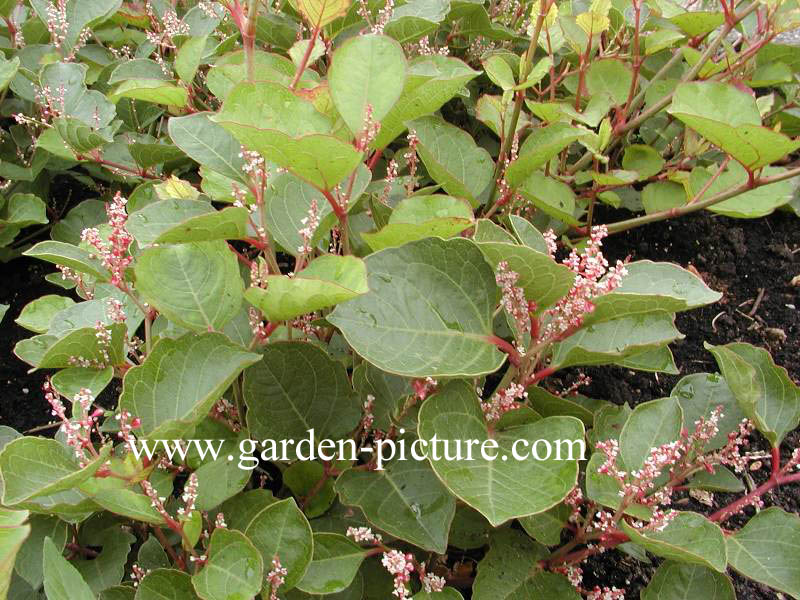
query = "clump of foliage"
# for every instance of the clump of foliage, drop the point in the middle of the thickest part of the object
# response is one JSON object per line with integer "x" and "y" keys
{"x": 379, "y": 220}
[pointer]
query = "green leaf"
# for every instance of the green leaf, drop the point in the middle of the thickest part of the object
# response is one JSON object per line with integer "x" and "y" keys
{"x": 500, "y": 489}
{"x": 699, "y": 394}
{"x": 166, "y": 584}
{"x": 108, "y": 568}
{"x": 527, "y": 234}
{"x": 283, "y": 406}
{"x": 280, "y": 528}
{"x": 32, "y": 467}
{"x": 680, "y": 581}
{"x": 509, "y": 571}
{"x": 650, "y": 425}
{"x": 208, "y": 143}
{"x": 83, "y": 343}
{"x": 196, "y": 285}
{"x": 234, "y": 569}
{"x": 452, "y": 158}
{"x": 416, "y": 19}
{"x": 178, "y": 383}
{"x": 642, "y": 159}
{"x": 368, "y": 73}
{"x": 37, "y": 315}
{"x": 156, "y": 91}
{"x": 8, "y": 69}
{"x": 62, "y": 581}
{"x": 151, "y": 155}
{"x": 319, "y": 13}
{"x": 551, "y": 196}
{"x": 188, "y": 59}
{"x": 612, "y": 341}
{"x": 60, "y": 253}
{"x": 605, "y": 490}
{"x": 543, "y": 280}
{"x": 178, "y": 220}
{"x": 447, "y": 593}
{"x": 288, "y": 131}
{"x": 28, "y": 563}
{"x": 13, "y": 533}
{"x": 334, "y": 565}
{"x": 327, "y": 281}
{"x": 405, "y": 499}
{"x": 754, "y": 550}
{"x": 764, "y": 391}
{"x": 419, "y": 217}
{"x": 303, "y": 478}
{"x": 610, "y": 77}
{"x": 721, "y": 480}
{"x": 546, "y": 527}
{"x": 433, "y": 299}
{"x": 548, "y": 405}
{"x": 653, "y": 286}
{"x": 23, "y": 210}
{"x": 729, "y": 119}
{"x": 698, "y": 23}
{"x": 663, "y": 195}
{"x": 219, "y": 480}
{"x": 689, "y": 537}
{"x": 499, "y": 71}
{"x": 430, "y": 82}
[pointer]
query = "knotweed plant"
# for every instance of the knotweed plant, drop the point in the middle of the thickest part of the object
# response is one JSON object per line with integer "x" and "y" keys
{"x": 321, "y": 320}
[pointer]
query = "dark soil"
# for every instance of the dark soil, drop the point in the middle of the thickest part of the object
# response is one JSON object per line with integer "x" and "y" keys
{"x": 737, "y": 257}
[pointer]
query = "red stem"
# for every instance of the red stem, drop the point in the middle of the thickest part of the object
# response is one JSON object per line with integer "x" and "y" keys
{"x": 734, "y": 507}
{"x": 776, "y": 461}
{"x": 306, "y": 56}
{"x": 513, "y": 355}
{"x": 538, "y": 376}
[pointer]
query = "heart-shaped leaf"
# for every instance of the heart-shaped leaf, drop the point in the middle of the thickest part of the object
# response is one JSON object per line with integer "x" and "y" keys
{"x": 500, "y": 489}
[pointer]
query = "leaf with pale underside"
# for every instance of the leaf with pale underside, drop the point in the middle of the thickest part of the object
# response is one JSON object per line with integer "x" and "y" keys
{"x": 500, "y": 489}
{"x": 428, "y": 311}
{"x": 405, "y": 499}
{"x": 764, "y": 391}
{"x": 196, "y": 285}
{"x": 329, "y": 280}
{"x": 766, "y": 550}
{"x": 191, "y": 372}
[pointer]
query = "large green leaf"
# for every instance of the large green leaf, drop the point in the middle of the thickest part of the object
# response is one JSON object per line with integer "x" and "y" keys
{"x": 611, "y": 77}
{"x": 180, "y": 380}
{"x": 327, "y": 281}
{"x": 234, "y": 568}
{"x": 62, "y": 581}
{"x": 208, "y": 143}
{"x": 177, "y": 220}
{"x": 166, "y": 584}
{"x": 107, "y": 568}
{"x": 689, "y": 537}
{"x": 452, "y": 158}
{"x": 682, "y": 581}
{"x": 196, "y": 285}
{"x": 287, "y": 130}
{"x": 280, "y": 528}
{"x": 543, "y": 280}
{"x": 509, "y": 571}
{"x": 766, "y": 550}
{"x": 334, "y": 565}
{"x": 611, "y": 341}
{"x": 550, "y": 196}
{"x": 367, "y": 71}
{"x": 650, "y": 425}
{"x": 419, "y": 217}
{"x": 428, "y": 311}
{"x": 37, "y": 315}
{"x": 652, "y": 286}
{"x": 32, "y": 467}
{"x": 764, "y": 390}
{"x": 405, "y": 499}
{"x": 699, "y": 394}
{"x": 61, "y": 253}
{"x": 500, "y": 489}
{"x": 283, "y": 406}
{"x": 156, "y": 91}
{"x": 729, "y": 119}
{"x": 28, "y": 564}
{"x": 430, "y": 82}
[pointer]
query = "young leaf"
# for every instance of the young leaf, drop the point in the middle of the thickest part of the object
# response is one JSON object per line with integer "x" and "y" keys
{"x": 689, "y": 538}
{"x": 752, "y": 550}
{"x": 452, "y": 158}
{"x": 334, "y": 565}
{"x": 280, "y": 528}
{"x": 405, "y": 499}
{"x": 500, "y": 489}
{"x": 679, "y": 581}
{"x": 650, "y": 425}
{"x": 764, "y": 390}
{"x": 61, "y": 580}
{"x": 196, "y": 285}
{"x": 234, "y": 568}
{"x": 283, "y": 406}
{"x": 433, "y": 298}
{"x": 174, "y": 388}
{"x": 367, "y": 74}
{"x": 327, "y": 281}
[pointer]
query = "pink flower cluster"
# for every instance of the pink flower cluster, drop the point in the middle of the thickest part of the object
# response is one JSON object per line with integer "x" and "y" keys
{"x": 589, "y": 267}
{"x": 503, "y": 401}
{"x": 605, "y": 593}
{"x": 78, "y": 430}
{"x": 276, "y": 577}
{"x": 364, "y": 535}
{"x": 310, "y": 224}
{"x": 401, "y": 566}
{"x": 126, "y": 427}
{"x": 370, "y": 129}
{"x": 513, "y": 299}
{"x": 189, "y": 496}
{"x": 114, "y": 254}
{"x": 423, "y": 387}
